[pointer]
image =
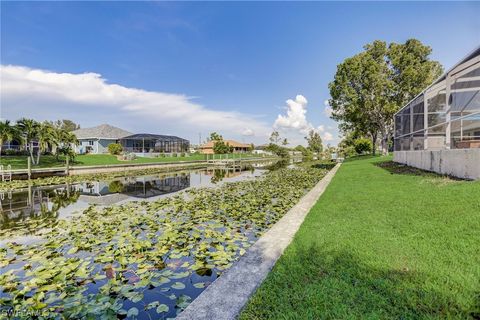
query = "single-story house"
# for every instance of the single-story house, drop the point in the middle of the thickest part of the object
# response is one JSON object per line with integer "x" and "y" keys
{"x": 96, "y": 140}
{"x": 238, "y": 147}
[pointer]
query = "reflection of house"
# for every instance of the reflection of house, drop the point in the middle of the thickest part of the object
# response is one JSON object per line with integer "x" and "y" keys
{"x": 238, "y": 147}
{"x": 138, "y": 187}
{"x": 96, "y": 140}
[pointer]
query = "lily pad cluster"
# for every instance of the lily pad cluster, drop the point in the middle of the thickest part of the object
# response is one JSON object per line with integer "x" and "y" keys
{"x": 145, "y": 259}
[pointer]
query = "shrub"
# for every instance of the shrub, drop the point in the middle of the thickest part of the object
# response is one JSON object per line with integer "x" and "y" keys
{"x": 220, "y": 147}
{"x": 67, "y": 151}
{"x": 363, "y": 145}
{"x": 115, "y": 148}
{"x": 182, "y": 154}
{"x": 11, "y": 152}
{"x": 127, "y": 156}
{"x": 347, "y": 152}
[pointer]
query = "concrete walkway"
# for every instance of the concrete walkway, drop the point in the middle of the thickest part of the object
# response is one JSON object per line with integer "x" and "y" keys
{"x": 225, "y": 298}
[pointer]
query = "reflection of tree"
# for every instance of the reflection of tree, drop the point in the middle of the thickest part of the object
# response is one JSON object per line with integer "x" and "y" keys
{"x": 115, "y": 187}
{"x": 277, "y": 165}
{"x": 218, "y": 175}
{"x": 28, "y": 211}
{"x": 62, "y": 198}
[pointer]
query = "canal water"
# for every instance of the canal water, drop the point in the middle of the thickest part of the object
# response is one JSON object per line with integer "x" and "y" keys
{"x": 49, "y": 203}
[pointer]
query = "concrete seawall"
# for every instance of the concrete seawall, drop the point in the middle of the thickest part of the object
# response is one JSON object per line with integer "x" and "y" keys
{"x": 225, "y": 298}
{"x": 461, "y": 163}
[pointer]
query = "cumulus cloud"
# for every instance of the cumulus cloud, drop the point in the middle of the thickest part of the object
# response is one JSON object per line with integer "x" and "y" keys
{"x": 27, "y": 92}
{"x": 327, "y": 136}
{"x": 296, "y": 116}
{"x": 328, "y": 109}
{"x": 294, "y": 125}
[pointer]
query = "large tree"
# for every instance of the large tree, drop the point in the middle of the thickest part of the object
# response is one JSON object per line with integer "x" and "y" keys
{"x": 371, "y": 86}
{"x": 274, "y": 137}
{"x": 314, "y": 141}
{"x": 7, "y": 133}
{"x": 66, "y": 125}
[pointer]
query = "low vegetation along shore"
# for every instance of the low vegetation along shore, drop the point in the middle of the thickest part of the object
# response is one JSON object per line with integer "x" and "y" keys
{"x": 384, "y": 241}
{"x": 146, "y": 259}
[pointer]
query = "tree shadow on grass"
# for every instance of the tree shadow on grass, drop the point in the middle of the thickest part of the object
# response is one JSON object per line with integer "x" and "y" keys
{"x": 316, "y": 284}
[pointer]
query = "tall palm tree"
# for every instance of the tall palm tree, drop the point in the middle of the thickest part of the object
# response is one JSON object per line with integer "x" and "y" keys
{"x": 7, "y": 133}
{"x": 29, "y": 129}
{"x": 63, "y": 138}
{"x": 46, "y": 138}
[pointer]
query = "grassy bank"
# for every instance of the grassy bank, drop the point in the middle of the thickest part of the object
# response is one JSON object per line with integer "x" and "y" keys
{"x": 383, "y": 242}
{"x": 48, "y": 161}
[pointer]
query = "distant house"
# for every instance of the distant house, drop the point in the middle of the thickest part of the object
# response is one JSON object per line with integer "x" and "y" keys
{"x": 262, "y": 149}
{"x": 238, "y": 147}
{"x": 96, "y": 140}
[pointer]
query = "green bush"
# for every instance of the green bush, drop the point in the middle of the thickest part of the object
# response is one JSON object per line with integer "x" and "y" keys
{"x": 363, "y": 145}
{"x": 347, "y": 152}
{"x": 115, "y": 148}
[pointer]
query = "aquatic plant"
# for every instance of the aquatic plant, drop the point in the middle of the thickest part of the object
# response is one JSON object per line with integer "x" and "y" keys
{"x": 145, "y": 259}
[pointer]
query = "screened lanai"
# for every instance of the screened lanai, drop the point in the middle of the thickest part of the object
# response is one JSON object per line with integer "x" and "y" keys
{"x": 446, "y": 115}
{"x": 154, "y": 143}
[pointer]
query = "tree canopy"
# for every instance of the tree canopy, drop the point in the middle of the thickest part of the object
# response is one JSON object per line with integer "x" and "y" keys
{"x": 314, "y": 141}
{"x": 371, "y": 86}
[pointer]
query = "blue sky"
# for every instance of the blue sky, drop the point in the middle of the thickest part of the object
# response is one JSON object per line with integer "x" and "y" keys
{"x": 202, "y": 67}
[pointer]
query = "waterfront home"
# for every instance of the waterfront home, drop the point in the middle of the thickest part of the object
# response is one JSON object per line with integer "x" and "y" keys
{"x": 96, "y": 140}
{"x": 238, "y": 147}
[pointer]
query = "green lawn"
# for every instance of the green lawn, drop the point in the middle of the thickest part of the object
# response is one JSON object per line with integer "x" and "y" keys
{"x": 20, "y": 162}
{"x": 383, "y": 242}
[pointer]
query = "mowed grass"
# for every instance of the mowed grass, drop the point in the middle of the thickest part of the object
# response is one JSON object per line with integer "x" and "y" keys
{"x": 383, "y": 242}
{"x": 48, "y": 161}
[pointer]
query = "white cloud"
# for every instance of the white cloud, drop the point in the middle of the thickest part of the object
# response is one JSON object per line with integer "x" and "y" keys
{"x": 27, "y": 92}
{"x": 296, "y": 116}
{"x": 248, "y": 132}
{"x": 327, "y": 136}
{"x": 295, "y": 126}
{"x": 328, "y": 109}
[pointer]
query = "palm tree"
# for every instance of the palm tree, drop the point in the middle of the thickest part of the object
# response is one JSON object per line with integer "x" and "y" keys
{"x": 46, "y": 138}
{"x": 29, "y": 129}
{"x": 66, "y": 140}
{"x": 7, "y": 133}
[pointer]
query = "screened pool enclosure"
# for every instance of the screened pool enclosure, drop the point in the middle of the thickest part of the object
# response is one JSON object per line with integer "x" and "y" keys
{"x": 154, "y": 143}
{"x": 446, "y": 115}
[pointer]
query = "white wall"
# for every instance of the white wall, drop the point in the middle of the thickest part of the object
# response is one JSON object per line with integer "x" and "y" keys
{"x": 461, "y": 163}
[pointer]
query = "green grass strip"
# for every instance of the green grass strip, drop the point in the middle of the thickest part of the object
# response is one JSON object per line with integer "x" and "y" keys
{"x": 383, "y": 242}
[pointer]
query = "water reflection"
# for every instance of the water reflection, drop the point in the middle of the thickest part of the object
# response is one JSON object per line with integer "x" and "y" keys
{"x": 25, "y": 211}
{"x": 35, "y": 204}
